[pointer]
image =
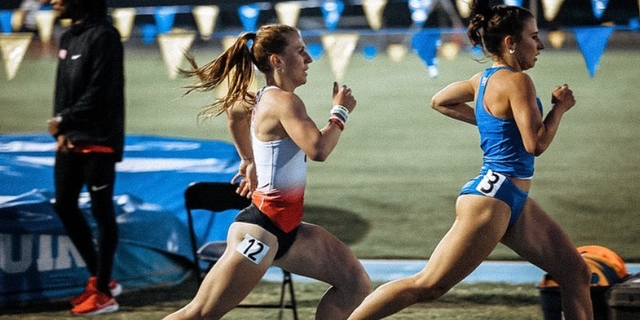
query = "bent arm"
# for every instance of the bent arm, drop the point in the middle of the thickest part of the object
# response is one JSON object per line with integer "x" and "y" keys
{"x": 316, "y": 143}
{"x": 452, "y": 101}
{"x": 537, "y": 134}
{"x": 239, "y": 124}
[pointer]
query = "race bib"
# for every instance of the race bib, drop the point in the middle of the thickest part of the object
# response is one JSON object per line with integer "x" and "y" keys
{"x": 252, "y": 248}
{"x": 490, "y": 183}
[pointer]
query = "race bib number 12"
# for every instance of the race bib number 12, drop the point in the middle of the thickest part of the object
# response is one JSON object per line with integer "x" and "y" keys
{"x": 252, "y": 248}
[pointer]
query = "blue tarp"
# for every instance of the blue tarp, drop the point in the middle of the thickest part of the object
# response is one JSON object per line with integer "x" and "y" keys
{"x": 37, "y": 260}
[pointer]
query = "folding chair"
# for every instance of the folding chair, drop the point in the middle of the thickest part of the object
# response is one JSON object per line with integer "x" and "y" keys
{"x": 216, "y": 197}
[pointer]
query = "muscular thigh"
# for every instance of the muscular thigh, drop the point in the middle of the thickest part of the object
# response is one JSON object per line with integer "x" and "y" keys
{"x": 539, "y": 239}
{"x": 320, "y": 255}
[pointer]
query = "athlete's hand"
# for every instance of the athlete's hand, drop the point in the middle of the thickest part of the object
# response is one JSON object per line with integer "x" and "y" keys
{"x": 562, "y": 98}
{"x": 342, "y": 96}
{"x": 246, "y": 172}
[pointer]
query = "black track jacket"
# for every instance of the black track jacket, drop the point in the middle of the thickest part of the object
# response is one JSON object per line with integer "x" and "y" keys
{"x": 89, "y": 93}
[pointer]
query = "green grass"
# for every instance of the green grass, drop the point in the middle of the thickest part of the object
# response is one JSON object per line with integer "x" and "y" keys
{"x": 389, "y": 188}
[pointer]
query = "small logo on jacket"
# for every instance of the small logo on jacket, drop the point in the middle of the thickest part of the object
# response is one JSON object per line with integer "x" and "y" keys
{"x": 75, "y": 56}
{"x": 98, "y": 188}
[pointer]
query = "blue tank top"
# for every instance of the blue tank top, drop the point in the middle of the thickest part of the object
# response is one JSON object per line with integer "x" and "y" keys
{"x": 500, "y": 139}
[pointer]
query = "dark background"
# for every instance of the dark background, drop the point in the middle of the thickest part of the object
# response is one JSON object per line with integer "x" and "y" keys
{"x": 396, "y": 14}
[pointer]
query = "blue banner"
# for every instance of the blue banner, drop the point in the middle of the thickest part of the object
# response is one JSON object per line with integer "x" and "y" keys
{"x": 39, "y": 262}
{"x": 149, "y": 189}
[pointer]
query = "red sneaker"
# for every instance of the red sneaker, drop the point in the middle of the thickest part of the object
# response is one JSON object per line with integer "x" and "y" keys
{"x": 91, "y": 288}
{"x": 96, "y": 303}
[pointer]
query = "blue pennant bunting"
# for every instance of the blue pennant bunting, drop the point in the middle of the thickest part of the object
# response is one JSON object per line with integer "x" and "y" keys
{"x": 331, "y": 11}
{"x": 420, "y": 10}
{"x": 249, "y": 16}
{"x": 425, "y": 44}
{"x": 149, "y": 32}
{"x": 598, "y": 7}
{"x": 164, "y": 17}
{"x": 517, "y": 3}
{"x": 5, "y": 21}
{"x": 369, "y": 52}
{"x": 634, "y": 24}
{"x": 315, "y": 50}
{"x": 592, "y": 42}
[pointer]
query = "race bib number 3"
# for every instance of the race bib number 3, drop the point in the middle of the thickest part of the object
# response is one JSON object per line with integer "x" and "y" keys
{"x": 252, "y": 248}
{"x": 491, "y": 183}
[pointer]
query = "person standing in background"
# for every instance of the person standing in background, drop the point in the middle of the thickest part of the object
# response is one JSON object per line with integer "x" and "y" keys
{"x": 88, "y": 125}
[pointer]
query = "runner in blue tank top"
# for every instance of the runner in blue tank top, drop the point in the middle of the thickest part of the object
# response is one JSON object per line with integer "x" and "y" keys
{"x": 494, "y": 207}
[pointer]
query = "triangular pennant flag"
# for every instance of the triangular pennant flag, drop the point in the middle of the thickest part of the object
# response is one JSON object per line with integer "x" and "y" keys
{"x": 598, "y": 7}
{"x": 517, "y": 3}
{"x": 173, "y": 46}
{"x": 17, "y": 20}
{"x": 449, "y": 50}
{"x": 13, "y": 47}
{"x": 592, "y": 42}
{"x": 396, "y": 52}
{"x": 556, "y": 38}
{"x": 634, "y": 23}
{"x": 464, "y": 8}
{"x": 288, "y": 12}
{"x": 5, "y": 21}
{"x": 249, "y": 16}
{"x": 373, "y": 10}
{"x": 551, "y": 8}
{"x": 45, "y": 20}
{"x": 206, "y": 17}
{"x": 228, "y": 41}
{"x": 123, "y": 21}
{"x": 420, "y": 10}
{"x": 315, "y": 50}
{"x": 331, "y": 11}
{"x": 339, "y": 48}
{"x": 425, "y": 44}
{"x": 369, "y": 52}
{"x": 149, "y": 32}
{"x": 164, "y": 17}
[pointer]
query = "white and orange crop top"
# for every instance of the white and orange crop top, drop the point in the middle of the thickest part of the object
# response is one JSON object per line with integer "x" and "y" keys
{"x": 282, "y": 173}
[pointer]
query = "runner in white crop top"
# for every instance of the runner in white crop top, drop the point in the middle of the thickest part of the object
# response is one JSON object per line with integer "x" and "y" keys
{"x": 274, "y": 136}
{"x": 282, "y": 171}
